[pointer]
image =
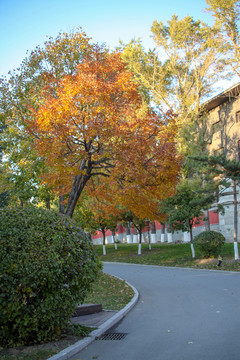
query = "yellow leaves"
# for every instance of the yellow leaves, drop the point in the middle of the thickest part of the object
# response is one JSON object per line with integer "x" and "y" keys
{"x": 96, "y": 116}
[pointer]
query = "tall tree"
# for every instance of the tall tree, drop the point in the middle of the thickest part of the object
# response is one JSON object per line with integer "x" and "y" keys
{"x": 228, "y": 170}
{"x": 94, "y": 126}
{"x": 227, "y": 19}
{"x": 180, "y": 72}
{"x": 21, "y": 91}
{"x": 78, "y": 128}
{"x": 186, "y": 207}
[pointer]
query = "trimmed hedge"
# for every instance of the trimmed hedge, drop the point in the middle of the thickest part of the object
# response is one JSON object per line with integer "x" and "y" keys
{"x": 209, "y": 243}
{"x": 47, "y": 267}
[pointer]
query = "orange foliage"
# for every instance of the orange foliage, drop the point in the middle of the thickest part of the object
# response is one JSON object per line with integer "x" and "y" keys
{"x": 92, "y": 125}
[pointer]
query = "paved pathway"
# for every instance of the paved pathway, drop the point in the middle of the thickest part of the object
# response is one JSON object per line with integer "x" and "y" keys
{"x": 182, "y": 314}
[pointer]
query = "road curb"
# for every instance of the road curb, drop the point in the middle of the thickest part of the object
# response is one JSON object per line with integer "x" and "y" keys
{"x": 81, "y": 344}
{"x": 219, "y": 271}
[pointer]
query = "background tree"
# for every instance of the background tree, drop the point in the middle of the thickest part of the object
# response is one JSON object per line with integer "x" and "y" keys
{"x": 186, "y": 207}
{"x": 180, "y": 72}
{"x": 229, "y": 171}
{"x": 227, "y": 17}
{"x": 128, "y": 217}
{"x": 96, "y": 215}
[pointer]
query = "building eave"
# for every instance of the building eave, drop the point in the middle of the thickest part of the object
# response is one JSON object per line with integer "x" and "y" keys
{"x": 224, "y": 96}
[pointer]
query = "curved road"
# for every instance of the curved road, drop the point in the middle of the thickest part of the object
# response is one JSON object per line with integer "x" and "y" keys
{"x": 182, "y": 314}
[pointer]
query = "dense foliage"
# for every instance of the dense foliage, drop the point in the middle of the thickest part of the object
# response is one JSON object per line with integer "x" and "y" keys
{"x": 47, "y": 266}
{"x": 209, "y": 243}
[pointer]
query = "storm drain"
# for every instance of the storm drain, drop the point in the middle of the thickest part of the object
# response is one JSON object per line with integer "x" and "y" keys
{"x": 113, "y": 336}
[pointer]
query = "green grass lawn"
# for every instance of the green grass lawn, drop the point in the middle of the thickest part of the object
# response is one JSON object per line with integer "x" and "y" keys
{"x": 111, "y": 292}
{"x": 168, "y": 255}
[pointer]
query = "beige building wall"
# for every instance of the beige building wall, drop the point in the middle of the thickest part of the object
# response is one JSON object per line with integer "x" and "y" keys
{"x": 223, "y": 119}
{"x": 224, "y": 128}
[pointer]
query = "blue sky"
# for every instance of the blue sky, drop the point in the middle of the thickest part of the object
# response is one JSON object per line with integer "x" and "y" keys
{"x": 24, "y": 24}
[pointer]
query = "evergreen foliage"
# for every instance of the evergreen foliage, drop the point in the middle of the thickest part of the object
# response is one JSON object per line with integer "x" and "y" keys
{"x": 47, "y": 267}
{"x": 209, "y": 243}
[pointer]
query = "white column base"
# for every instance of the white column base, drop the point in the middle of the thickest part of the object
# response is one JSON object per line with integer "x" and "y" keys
{"x": 162, "y": 238}
{"x": 139, "y": 249}
{"x": 104, "y": 249}
{"x": 193, "y": 251}
{"x": 153, "y": 238}
{"x": 169, "y": 236}
{"x": 236, "y": 253}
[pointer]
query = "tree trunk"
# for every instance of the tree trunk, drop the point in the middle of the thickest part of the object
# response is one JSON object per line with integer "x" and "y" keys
{"x": 113, "y": 236}
{"x": 104, "y": 241}
{"x": 153, "y": 232}
{"x": 78, "y": 185}
{"x": 135, "y": 236}
{"x": 61, "y": 204}
{"x": 128, "y": 233}
{"x": 236, "y": 253}
{"x": 140, "y": 243}
{"x": 191, "y": 241}
{"x": 48, "y": 205}
{"x": 206, "y": 221}
{"x": 113, "y": 239}
{"x": 162, "y": 232}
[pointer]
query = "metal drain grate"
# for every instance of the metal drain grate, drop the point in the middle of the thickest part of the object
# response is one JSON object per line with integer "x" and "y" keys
{"x": 113, "y": 336}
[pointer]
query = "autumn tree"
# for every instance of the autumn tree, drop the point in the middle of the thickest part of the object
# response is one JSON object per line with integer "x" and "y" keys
{"x": 21, "y": 91}
{"x": 84, "y": 112}
{"x": 93, "y": 214}
{"x": 93, "y": 126}
{"x": 77, "y": 129}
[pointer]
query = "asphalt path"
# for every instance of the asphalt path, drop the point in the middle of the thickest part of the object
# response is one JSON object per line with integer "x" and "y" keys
{"x": 182, "y": 314}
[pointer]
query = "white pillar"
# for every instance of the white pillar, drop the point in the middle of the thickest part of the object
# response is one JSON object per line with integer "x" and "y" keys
{"x": 169, "y": 235}
{"x": 186, "y": 236}
{"x": 162, "y": 238}
{"x": 135, "y": 238}
{"x": 153, "y": 238}
{"x": 129, "y": 238}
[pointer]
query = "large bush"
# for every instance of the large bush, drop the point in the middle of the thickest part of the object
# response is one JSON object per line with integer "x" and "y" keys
{"x": 47, "y": 266}
{"x": 209, "y": 243}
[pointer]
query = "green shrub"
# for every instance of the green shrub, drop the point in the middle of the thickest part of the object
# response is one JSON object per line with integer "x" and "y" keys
{"x": 47, "y": 266}
{"x": 209, "y": 243}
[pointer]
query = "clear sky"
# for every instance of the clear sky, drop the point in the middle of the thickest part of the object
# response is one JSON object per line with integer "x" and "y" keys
{"x": 24, "y": 24}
